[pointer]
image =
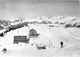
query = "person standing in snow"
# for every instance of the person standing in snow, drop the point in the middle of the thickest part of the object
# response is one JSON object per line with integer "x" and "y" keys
{"x": 61, "y": 43}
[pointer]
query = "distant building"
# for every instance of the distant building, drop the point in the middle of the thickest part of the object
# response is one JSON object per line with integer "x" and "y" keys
{"x": 40, "y": 47}
{"x": 33, "y": 33}
{"x": 18, "y": 39}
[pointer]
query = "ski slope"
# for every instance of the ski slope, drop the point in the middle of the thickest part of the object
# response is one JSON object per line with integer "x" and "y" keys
{"x": 49, "y": 36}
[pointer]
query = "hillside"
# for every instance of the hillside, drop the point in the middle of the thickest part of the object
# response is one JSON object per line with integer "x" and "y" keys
{"x": 51, "y": 31}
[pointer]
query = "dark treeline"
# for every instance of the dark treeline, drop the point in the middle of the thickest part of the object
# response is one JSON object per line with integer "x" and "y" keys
{"x": 72, "y": 25}
{"x": 13, "y": 27}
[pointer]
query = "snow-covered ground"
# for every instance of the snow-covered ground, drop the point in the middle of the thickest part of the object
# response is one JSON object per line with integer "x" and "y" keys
{"x": 49, "y": 36}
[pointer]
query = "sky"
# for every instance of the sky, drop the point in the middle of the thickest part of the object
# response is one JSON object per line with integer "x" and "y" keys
{"x": 39, "y": 8}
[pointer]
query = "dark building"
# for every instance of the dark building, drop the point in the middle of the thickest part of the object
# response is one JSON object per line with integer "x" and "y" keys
{"x": 40, "y": 47}
{"x": 33, "y": 33}
{"x": 18, "y": 39}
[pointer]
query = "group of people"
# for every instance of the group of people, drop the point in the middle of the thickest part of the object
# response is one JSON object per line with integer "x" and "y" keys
{"x": 4, "y": 50}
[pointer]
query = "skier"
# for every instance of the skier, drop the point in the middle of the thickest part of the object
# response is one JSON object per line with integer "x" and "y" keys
{"x": 61, "y": 43}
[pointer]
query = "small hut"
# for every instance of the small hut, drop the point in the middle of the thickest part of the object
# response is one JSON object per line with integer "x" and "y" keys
{"x": 40, "y": 47}
{"x": 33, "y": 33}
